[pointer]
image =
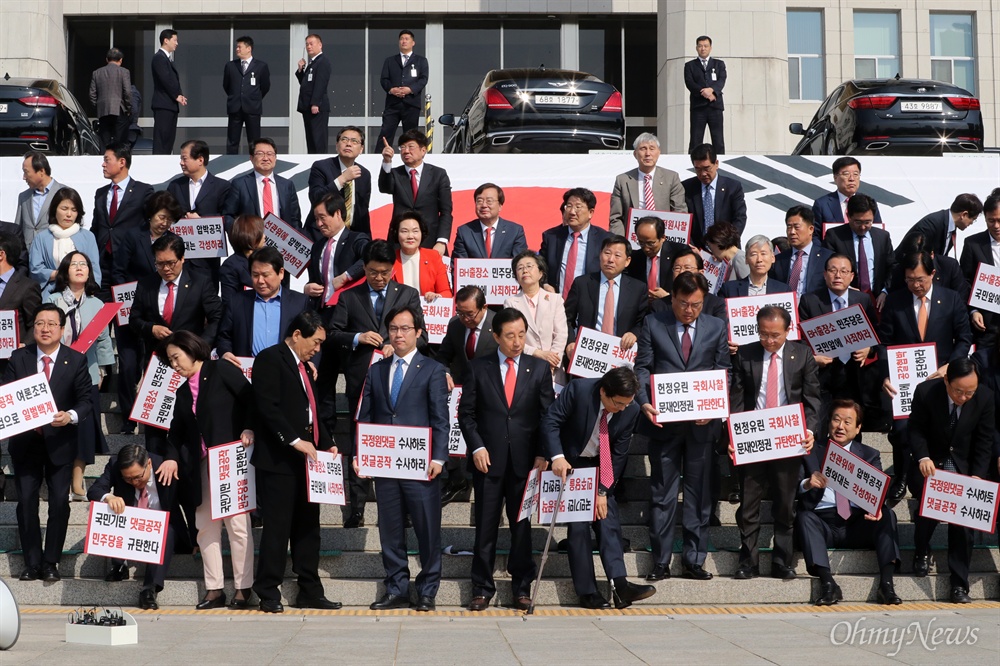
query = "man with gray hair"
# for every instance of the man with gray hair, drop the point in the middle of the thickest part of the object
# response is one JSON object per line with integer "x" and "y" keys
{"x": 760, "y": 257}
{"x": 649, "y": 187}
{"x": 111, "y": 93}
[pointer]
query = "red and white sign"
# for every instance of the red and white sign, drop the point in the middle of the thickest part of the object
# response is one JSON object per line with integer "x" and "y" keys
{"x": 743, "y": 310}
{"x": 393, "y": 452}
{"x": 94, "y": 329}
{"x": 494, "y": 276}
{"x": 233, "y": 482}
{"x": 850, "y": 476}
{"x": 123, "y": 294}
{"x": 986, "y": 288}
{"x": 10, "y": 333}
{"x": 325, "y": 479}
{"x": 768, "y": 434}
{"x": 676, "y": 225}
{"x": 456, "y": 440}
{"x": 715, "y": 271}
{"x": 960, "y": 500}
{"x": 839, "y": 333}
{"x": 436, "y": 317}
{"x": 139, "y": 535}
{"x": 25, "y": 404}
{"x": 909, "y": 366}
{"x": 595, "y": 353}
{"x": 154, "y": 403}
{"x": 530, "y": 498}
{"x": 204, "y": 237}
{"x": 295, "y": 248}
{"x": 246, "y": 366}
{"x": 579, "y": 501}
{"x": 690, "y": 396}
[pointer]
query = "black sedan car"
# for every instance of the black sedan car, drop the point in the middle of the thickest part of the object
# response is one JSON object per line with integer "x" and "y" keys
{"x": 41, "y": 114}
{"x": 538, "y": 111}
{"x": 893, "y": 117}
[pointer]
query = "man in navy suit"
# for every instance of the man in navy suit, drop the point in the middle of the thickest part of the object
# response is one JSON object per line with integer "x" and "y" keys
{"x": 940, "y": 228}
{"x": 653, "y": 262}
{"x": 590, "y": 425}
{"x": 705, "y": 77}
{"x": 712, "y": 197}
{"x": 984, "y": 247}
{"x": 246, "y": 81}
{"x": 403, "y": 78}
{"x": 418, "y": 186}
{"x": 409, "y": 389}
{"x": 832, "y": 208}
{"x": 314, "y": 94}
{"x": 344, "y": 176}
{"x": 868, "y": 247}
{"x": 336, "y": 256}
{"x": 504, "y": 396}
{"x": 490, "y": 236}
{"x": 681, "y": 340}
{"x": 802, "y": 268}
{"x": 167, "y": 96}
{"x": 569, "y": 260}
{"x": 759, "y": 254}
{"x": 262, "y": 191}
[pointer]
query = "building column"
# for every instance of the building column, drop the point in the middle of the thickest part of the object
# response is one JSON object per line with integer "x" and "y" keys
{"x": 34, "y": 38}
{"x": 297, "y": 33}
{"x": 434, "y": 52}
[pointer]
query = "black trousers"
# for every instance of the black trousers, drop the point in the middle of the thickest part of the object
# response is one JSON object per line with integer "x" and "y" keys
{"x": 783, "y": 478}
{"x": 129, "y": 372}
{"x": 580, "y": 546}
{"x": 31, "y": 466}
{"x": 492, "y": 493}
{"x": 358, "y": 489}
{"x": 960, "y": 542}
{"x": 700, "y": 117}
{"x": 235, "y": 129}
{"x": 112, "y": 128}
{"x": 818, "y": 531}
{"x": 164, "y": 131}
{"x": 391, "y": 117}
{"x": 317, "y": 131}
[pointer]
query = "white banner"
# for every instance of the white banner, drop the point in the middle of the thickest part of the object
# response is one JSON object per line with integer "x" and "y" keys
{"x": 154, "y": 403}
{"x": 986, "y": 289}
{"x": 436, "y": 317}
{"x": 393, "y": 452}
{"x": 325, "y": 479}
{"x": 837, "y": 334}
{"x": 233, "y": 482}
{"x": 850, "y": 476}
{"x": 295, "y": 248}
{"x": 960, "y": 500}
{"x": 10, "y": 333}
{"x": 139, "y": 535}
{"x": 909, "y": 366}
{"x": 25, "y": 404}
{"x": 124, "y": 294}
{"x": 204, "y": 238}
{"x": 595, "y": 353}
{"x": 690, "y": 396}
{"x": 677, "y": 226}
{"x": 531, "y": 495}
{"x": 494, "y": 276}
{"x": 715, "y": 271}
{"x": 768, "y": 434}
{"x": 743, "y": 310}
{"x": 456, "y": 440}
{"x": 579, "y": 501}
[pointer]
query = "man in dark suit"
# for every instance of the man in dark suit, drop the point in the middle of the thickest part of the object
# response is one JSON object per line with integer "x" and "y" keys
{"x": 167, "y": 96}
{"x": 262, "y": 191}
{"x": 832, "y": 208}
{"x": 705, "y": 77}
{"x": 649, "y": 187}
{"x": 111, "y": 94}
{"x": 952, "y": 427}
{"x": 336, "y": 256}
{"x": 590, "y": 425}
{"x": 287, "y": 431}
{"x": 682, "y": 340}
{"x": 940, "y": 228}
{"x": 314, "y": 95}
{"x": 490, "y": 236}
{"x": 826, "y": 520}
{"x": 343, "y": 175}
{"x": 359, "y": 328}
{"x": 33, "y": 203}
{"x": 569, "y": 260}
{"x": 246, "y": 81}
{"x": 984, "y": 247}
{"x": 408, "y": 389}
{"x": 688, "y": 261}
{"x": 47, "y": 453}
{"x": 404, "y": 76}
{"x": 760, "y": 258}
{"x": 653, "y": 262}
{"x": 504, "y": 396}
{"x": 418, "y": 186}
{"x": 947, "y": 271}
{"x": 710, "y": 197}
{"x": 140, "y": 479}
{"x": 18, "y": 291}
{"x": 802, "y": 268}
{"x": 774, "y": 372}
{"x": 469, "y": 335}
{"x": 868, "y": 247}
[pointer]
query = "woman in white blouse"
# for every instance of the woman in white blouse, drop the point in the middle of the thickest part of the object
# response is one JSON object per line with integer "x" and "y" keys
{"x": 544, "y": 310}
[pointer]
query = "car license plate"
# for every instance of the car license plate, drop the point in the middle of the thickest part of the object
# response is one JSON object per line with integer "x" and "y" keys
{"x": 3, "y": 108}
{"x": 921, "y": 106}
{"x": 555, "y": 99}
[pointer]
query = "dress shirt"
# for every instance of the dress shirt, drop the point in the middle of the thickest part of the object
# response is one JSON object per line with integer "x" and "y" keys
{"x": 372, "y": 295}
{"x": 4, "y": 279}
{"x": 602, "y": 293}
{"x": 754, "y": 290}
{"x": 711, "y": 188}
{"x": 73, "y": 418}
{"x": 122, "y": 187}
{"x": 593, "y": 448}
{"x": 806, "y": 252}
{"x": 154, "y": 494}
{"x": 834, "y": 297}
{"x": 869, "y": 254}
{"x": 407, "y": 360}
{"x": 995, "y": 249}
{"x": 266, "y": 322}
{"x": 916, "y": 304}
{"x": 762, "y": 394}
{"x": 38, "y": 198}
{"x": 479, "y": 332}
{"x": 247, "y": 61}
{"x": 411, "y": 269}
{"x": 169, "y": 54}
{"x": 482, "y": 232}
{"x": 387, "y": 167}
{"x": 643, "y": 177}
{"x": 161, "y": 298}
{"x": 309, "y": 416}
{"x": 581, "y": 255}
{"x": 404, "y": 58}
{"x": 691, "y": 331}
{"x": 331, "y": 246}
{"x": 843, "y": 204}
{"x": 194, "y": 188}
{"x": 260, "y": 193}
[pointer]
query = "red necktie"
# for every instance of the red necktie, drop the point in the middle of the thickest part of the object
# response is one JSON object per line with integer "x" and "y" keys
{"x": 647, "y": 194}
{"x": 509, "y": 381}
{"x": 843, "y": 506}
{"x": 846, "y": 219}
{"x": 312, "y": 398}
{"x": 608, "y": 318}
{"x": 413, "y": 183}
{"x": 489, "y": 241}
{"x": 571, "y": 264}
{"x": 168, "y": 305}
{"x": 112, "y": 212}
{"x": 864, "y": 281}
{"x": 793, "y": 277}
{"x": 268, "y": 200}
{"x": 143, "y": 498}
{"x": 470, "y": 345}
{"x": 604, "y": 452}
{"x": 771, "y": 396}
{"x": 47, "y": 367}
{"x": 686, "y": 343}
{"x": 653, "y": 281}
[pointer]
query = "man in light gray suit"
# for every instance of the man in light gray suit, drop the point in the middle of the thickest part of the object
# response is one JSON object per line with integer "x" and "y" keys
{"x": 111, "y": 93}
{"x": 664, "y": 192}
{"x": 33, "y": 204}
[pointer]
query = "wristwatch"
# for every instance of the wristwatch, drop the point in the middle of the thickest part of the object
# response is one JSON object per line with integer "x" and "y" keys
{"x": 601, "y": 492}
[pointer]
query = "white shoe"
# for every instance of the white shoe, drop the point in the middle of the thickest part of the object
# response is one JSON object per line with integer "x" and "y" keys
{"x": 73, "y": 497}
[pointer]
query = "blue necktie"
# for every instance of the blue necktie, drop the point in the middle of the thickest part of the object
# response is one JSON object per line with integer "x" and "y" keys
{"x": 708, "y": 201}
{"x": 397, "y": 383}
{"x": 379, "y": 306}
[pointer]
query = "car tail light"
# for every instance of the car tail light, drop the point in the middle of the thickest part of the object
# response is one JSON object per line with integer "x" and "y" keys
{"x": 614, "y": 103}
{"x": 878, "y": 102}
{"x": 875, "y": 138}
{"x": 964, "y": 103}
{"x": 34, "y": 137}
{"x": 39, "y": 100}
{"x": 496, "y": 100}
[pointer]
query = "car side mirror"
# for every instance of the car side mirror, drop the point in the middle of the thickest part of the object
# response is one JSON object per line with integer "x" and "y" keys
{"x": 447, "y": 119}
{"x": 796, "y": 128}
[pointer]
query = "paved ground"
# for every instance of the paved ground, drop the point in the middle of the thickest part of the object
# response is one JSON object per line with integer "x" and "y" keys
{"x": 762, "y": 635}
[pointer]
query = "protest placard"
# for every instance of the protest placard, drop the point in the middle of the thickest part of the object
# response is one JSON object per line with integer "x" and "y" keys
{"x": 961, "y": 500}
{"x": 985, "y": 293}
{"x": 233, "y": 482}
{"x": 154, "y": 403}
{"x": 676, "y": 225}
{"x": 494, "y": 276}
{"x": 436, "y": 318}
{"x": 742, "y": 311}
{"x": 94, "y": 329}
{"x": 295, "y": 248}
{"x": 768, "y": 434}
{"x": 595, "y": 353}
{"x": 10, "y": 333}
{"x": 204, "y": 237}
{"x": 860, "y": 482}
{"x": 138, "y": 535}
{"x": 25, "y": 404}
{"x": 579, "y": 501}
{"x": 393, "y": 452}
{"x": 530, "y": 497}
{"x": 690, "y": 396}
{"x": 839, "y": 333}
{"x": 123, "y": 294}
{"x": 715, "y": 271}
{"x": 909, "y": 366}
{"x": 456, "y": 440}
{"x": 246, "y": 366}
{"x": 325, "y": 479}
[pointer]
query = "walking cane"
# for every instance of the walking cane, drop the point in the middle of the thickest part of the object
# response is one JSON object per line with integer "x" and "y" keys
{"x": 548, "y": 541}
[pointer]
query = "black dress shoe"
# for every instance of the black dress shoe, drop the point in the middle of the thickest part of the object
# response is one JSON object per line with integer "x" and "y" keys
{"x": 959, "y": 595}
{"x": 31, "y": 574}
{"x": 921, "y": 565}
{"x": 318, "y": 603}
{"x": 271, "y": 606}
{"x": 117, "y": 574}
{"x": 147, "y": 600}
{"x": 886, "y": 595}
{"x": 696, "y": 572}
{"x": 523, "y": 603}
{"x": 215, "y": 602}
{"x": 479, "y": 603}
{"x": 457, "y": 494}
{"x": 659, "y": 572}
{"x": 746, "y": 572}
{"x": 897, "y": 491}
{"x": 829, "y": 595}
{"x": 782, "y": 572}
{"x": 391, "y": 601}
{"x": 625, "y": 596}
{"x": 355, "y": 520}
{"x": 424, "y": 604}
{"x": 594, "y": 602}
{"x": 50, "y": 574}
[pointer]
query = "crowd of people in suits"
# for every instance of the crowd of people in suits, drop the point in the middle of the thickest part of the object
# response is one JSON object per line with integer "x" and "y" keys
{"x": 359, "y": 315}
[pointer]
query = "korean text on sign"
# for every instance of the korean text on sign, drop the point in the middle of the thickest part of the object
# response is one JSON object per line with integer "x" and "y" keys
{"x": 909, "y": 366}
{"x": 768, "y": 434}
{"x": 294, "y": 247}
{"x": 579, "y": 501}
{"x": 124, "y": 294}
{"x": 676, "y": 225}
{"x": 715, "y": 271}
{"x": 863, "y": 484}
{"x": 837, "y": 334}
{"x": 246, "y": 366}
{"x": 394, "y": 452}
{"x": 139, "y": 535}
{"x": 25, "y": 404}
{"x": 532, "y": 492}
{"x": 690, "y": 396}
{"x": 596, "y": 353}
{"x": 436, "y": 318}
{"x": 961, "y": 500}
{"x": 10, "y": 333}
{"x": 154, "y": 403}
{"x": 743, "y": 310}
{"x": 456, "y": 440}
{"x": 233, "y": 482}
{"x": 986, "y": 289}
{"x": 494, "y": 276}
{"x": 325, "y": 479}
{"x": 204, "y": 237}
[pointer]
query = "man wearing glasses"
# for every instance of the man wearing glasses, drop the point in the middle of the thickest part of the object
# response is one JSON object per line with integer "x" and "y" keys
{"x": 343, "y": 175}
{"x": 832, "y": 208}
{"x": 262, "y": 192}
{"x": 490, "y": 236}
{"x": 653, "y": 262}
{"x": 469, "y": 334}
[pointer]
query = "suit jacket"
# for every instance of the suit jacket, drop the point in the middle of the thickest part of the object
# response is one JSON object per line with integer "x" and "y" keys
{"x": 423, "y": 400}
{"x": 112, "y": 481}
{"x": 282, "y": 413}
{"x": 782, "y": 268}
{"x": 41, "y": 260}
{"x": 799, "y": 373}
{"x": 947, "y": 273}
{"x": 934, "y": 227}
{"x": 730, "y": 206}
{"x": 242, "y": 199}
{"x": 131, "y": 214}
{"x": 947, "y": 323}
{"x": 511, "y": 435}
{"x": 25, "y": 215}
{"x": 322, "y": 177}
{"x": 637, "y": 268}
{"x": 70, "y": 385}
{"x": 715, "y": 306}
{"x": 583, "y": 304}
{"x": 697, "y": 77}
{"x": 395, "y": 75}
{"x": 24, "y": 295}
{"x": 841, "y": 240}
{"x": 433, "y": 198}
{"x": 451, "y": 352}
{"x": 134, "y": 259}
{"x": 111, "y": 90}
{"x": 166, "y": 83}
{"x": 314, "y": 85}
{"x": 814, "y": 462}
{"x": 977, "y": 249}
{"x": 196, "y": 309}
{"x": 211, "y": 199}
{"x": 553, "y": 244}
{"x": 736, "y": 288}
{"x": 668, "y": 194}
{"x": 508, "y": 240}
{"x": 568, "y": 424}
{"x": 236, "y": 325}
{"x": 346, "y": 258}
{"x": 433, "y": 273}
{"x": 970, "y": 445}
{"x": 827, "y": 210}
{"x": 234, "y": 276}
{"x": 547, "y": 329}
{"x": 246, "y": 92}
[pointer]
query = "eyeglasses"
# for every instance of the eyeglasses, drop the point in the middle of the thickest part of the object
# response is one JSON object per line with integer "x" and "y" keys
{"x": 684, "y": 305}
{"x": 917, "y": 280}
{"x": 381, "y": 274}
{"x": 137, "y": 477}
{"x": 167, "y": 264}
{"x": 350, "y": 140}
{"x": 620, "y": 405}
{"x": 577, "y": 207}
{"x": 466, "y": 316}
{"x": 849, "y": 175}
{"x": 842, "y": 271}
{"x": 401, "y": 329}
{"x": 43, "y": 325}
{"x": 261, "y": 154}
{"x": 959, "y": 393}
{"x": 486, "y": 202}
{"x": 525, "y": 267}
{"x": 651, "y": 243}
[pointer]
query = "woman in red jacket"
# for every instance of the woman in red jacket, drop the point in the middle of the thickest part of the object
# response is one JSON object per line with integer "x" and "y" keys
{"x": 417, "y": 267}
